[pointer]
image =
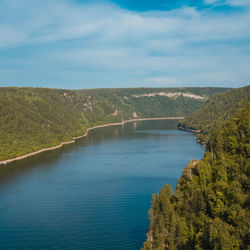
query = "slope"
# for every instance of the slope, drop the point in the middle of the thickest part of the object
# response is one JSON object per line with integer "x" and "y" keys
{"x": 210, "y": 208}
{"x": 36, "y": 118}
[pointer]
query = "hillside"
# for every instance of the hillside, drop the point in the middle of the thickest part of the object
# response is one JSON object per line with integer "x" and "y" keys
{"x": 210, "y": 207}
{"x": 35, "y": 118}
{"x": 215, "y": 111}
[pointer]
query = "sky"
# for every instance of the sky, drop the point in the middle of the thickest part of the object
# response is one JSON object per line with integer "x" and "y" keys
{"x": 78, "y": 44}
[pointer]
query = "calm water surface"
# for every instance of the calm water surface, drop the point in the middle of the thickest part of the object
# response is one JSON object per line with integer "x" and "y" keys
{"x": 96, "y": 193}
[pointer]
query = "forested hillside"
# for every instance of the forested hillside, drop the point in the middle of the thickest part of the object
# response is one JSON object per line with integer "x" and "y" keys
{"x": 210, "y": 208}
{"x": 215, "y": 111}
{"x": 34, "y": 118}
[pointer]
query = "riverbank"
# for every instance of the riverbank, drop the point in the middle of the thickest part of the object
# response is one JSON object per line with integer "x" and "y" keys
{"x": 190, "y": 130}
{"x": 196, "y": 132}
{"x": 5, "y": 162}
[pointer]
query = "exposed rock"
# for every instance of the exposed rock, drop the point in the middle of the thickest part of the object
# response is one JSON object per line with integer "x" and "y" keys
{"x": 150, "y": 236}
{"x": 87, "y": 106}
{"x": 187, "y": 175}
{"x": 187, "y": 172}
{"x": 135, "y": 115}
{"x": 115, "y": 113}
{"x": 172, "y": 95}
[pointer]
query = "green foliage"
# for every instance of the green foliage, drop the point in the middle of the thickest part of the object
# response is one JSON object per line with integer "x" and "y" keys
{"x": 212, "y": 198}
{"x": 215, "y": 111}
{"x": 34, "y": 118}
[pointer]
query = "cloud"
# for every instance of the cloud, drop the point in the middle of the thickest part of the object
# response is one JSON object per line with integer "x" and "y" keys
{"x": 234, "y": 3}
{"x": 63, "y": 42}
{"x": 212, "y": 1}
{"x": 238, "y": 2}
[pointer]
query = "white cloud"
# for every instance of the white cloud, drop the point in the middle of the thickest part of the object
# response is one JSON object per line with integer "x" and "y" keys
{"x": 238, "y": 2}
{"x": 214, "y": 1}
{"x": 44, "y": 22}
{"x": 211, "y": 1}
{"x": 104, "y": 43}
{"x": 235, "y": 3}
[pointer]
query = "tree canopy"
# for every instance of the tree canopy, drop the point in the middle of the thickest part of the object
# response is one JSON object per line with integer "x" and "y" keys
{"x": 210, "y": 206}
{"x": 35, "y": 118}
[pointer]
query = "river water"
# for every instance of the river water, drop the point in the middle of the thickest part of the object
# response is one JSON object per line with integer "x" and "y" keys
{"x": 96, "y": 193}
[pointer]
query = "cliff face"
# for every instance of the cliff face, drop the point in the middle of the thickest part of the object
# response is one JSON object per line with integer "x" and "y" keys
{"x": 210, "y": 207}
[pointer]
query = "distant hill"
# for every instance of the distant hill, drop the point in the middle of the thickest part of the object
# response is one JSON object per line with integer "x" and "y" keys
{"x": 34, "y": 118}
{"x": 210, "y": 208}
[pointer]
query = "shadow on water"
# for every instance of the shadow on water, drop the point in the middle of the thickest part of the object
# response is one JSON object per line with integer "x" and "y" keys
{"x": 46, "y": 160}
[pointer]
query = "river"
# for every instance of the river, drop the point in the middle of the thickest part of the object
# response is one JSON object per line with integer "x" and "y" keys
{"x": 96, "y": 193}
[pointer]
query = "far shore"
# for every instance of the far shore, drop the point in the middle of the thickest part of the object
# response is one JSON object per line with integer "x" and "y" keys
{"x": 5, "y": 162}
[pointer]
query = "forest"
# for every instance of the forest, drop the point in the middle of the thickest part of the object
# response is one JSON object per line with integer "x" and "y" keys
{"x": 36, "y": 118}
{"x": 215, "y": 111}
{"x": 210, "y": 207}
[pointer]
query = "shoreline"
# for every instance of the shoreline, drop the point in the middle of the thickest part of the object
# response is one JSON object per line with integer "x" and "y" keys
{"x": 190, "y": 130}
{"x": 5, "y": 162}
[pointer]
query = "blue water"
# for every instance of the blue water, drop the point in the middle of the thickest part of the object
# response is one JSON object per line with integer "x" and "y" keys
{"x": 96, "y": 193}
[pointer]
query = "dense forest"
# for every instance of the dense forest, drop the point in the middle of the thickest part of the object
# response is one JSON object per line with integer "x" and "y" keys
{"x": 210, "y": 208}
{"x": 215, "y": 111}
{"x": 35, "y": 118}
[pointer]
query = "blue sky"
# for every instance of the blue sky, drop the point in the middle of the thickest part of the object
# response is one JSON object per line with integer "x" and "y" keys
{"x": 124, "y": 43}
